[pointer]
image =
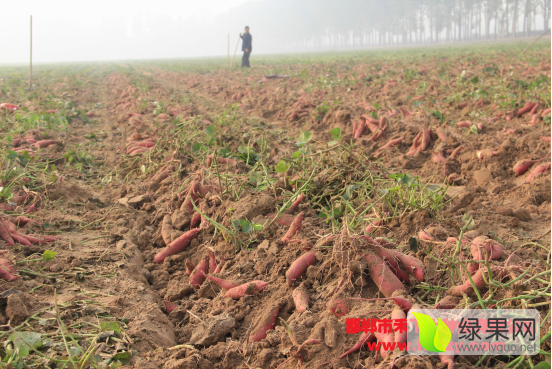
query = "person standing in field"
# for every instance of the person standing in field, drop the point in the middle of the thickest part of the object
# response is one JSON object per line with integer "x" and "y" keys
{"x": 246, "y": 47}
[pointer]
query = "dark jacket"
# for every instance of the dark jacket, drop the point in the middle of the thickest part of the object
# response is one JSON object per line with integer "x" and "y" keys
{"x": 246, "y": 41}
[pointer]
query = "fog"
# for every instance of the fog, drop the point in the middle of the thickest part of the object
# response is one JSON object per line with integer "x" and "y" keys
{"x": 66, "y": 31}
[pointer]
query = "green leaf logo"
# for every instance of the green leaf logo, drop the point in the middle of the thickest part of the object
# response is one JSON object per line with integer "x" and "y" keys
{"x": 433, "y": 338}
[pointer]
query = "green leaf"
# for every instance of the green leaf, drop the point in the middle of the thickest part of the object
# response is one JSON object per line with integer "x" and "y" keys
{"x": 336, "y": 133}
{"x": 427, "y": 331}
{"x": 304, "y": 137}
{"x": 123, "y": 357}
{"x": 475, "y": 79}
{"x": 49, "y": 255}
{"x": 377, "y": 106}
{"x": 110, "y": 326}
{"x": 442, "y": 336}
{"x": 210, "y": 130}
{"x": 473, "y": 129}
{"x": 349, "y": 191}
{"x": 257, "y": 226}
{"x": 542, "y": 365}
{"x": 542, "y": 352}
{"x": 282, "y": 166}
{"x": 437, "y": 114}
{"x": 22, "y": 340}
{"x": 295, "y": 155}
{"x": 12, "y": 154}
{"x": 242, "y": 225}
{"x": 196, "y": 146}
{"x": 403, "y": 179}
{"x": 413, "y": 243}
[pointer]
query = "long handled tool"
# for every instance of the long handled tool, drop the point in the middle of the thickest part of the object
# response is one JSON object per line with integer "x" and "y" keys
{"x": 231, "y": 65}
{"x": 229, "y": 49}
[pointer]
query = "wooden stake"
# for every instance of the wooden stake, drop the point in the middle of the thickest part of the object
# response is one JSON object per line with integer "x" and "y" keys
{"x": 228, "y": 48}
{"x": 235, "y": 51}
{"x": 31, "y": 64}
{"x": 532, "y": 43}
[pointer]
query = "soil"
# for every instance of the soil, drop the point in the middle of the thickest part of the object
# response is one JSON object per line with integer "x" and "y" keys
{"x": 109, "y": 216}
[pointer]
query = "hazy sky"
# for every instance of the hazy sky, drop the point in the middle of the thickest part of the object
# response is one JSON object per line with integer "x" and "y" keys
{"x": 69, "y": 30}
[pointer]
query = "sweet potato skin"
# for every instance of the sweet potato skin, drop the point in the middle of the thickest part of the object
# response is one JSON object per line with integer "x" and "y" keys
{"x": 382, "y": 275}
{"x": 299, "y": 266}
{"x": 198, "y": 274}
{"x": 301, "y": 298}
{"x": 268, "y": 324}
{"x": 177, "y": 245}
{"x": 466, "y": 287}
{"x": 250, "y": 288}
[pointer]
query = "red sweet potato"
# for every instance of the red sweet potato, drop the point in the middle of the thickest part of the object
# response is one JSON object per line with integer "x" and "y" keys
{"x": 523, "y": 165}
{"x": 415, "y": 144}
{"x": 456, "y": 151}
{"x": 166, "y": 229}
{"x": 19, "y": 238}
{"x": 296, "y": 203}
{"x": 465, "y": 123}
{"x": 6, "y": 275}
{"x": 283, "y": 219}
{"x": 447, "y": 359}
{"x": 269, "y": 323}
{"x": 382, "y": 275}
{"x": 219, "y": 266}
{"x": 249, "y": 288}
{"x": 467, "y": 288}
{"x": 385, "y": 339}
{"x": 169, "y": 306}
{"x": 391, "y": 261}
{"x": 177, "y": 245}
{"x": 301, "y": 298}
{"x": 45, "y": 143}
{"x": 212, "y": 260}
{"x": 539, "y": 169}
{"x": 195, "y": 221}
{"x": 293, "y": 228}
{"x": 424, "y": 236}
{"x": 526, "y": 109}
{"x": 22, "y": 221}
{"x": 389, "y": 144}
{"x": 426, "y": 139}
{"x": 360, "y": 130}
{"x": 398, "y": 313}
{"x": 366, "y": 337}
{"x": 441, "y": 134}
{"x": 187, "y": 204}
{"x": 338, "y": 307}
{"x": 300, "y": 265}
{"x": 485, "y": 153}
{"x": 198, "y": 274}
{"x": 138, "y": 150}
{"x": 413, "y": 266}
{"x": 189, "y": 266}
{"x": 447, "y": 303}
{"x": 227, "y": 285}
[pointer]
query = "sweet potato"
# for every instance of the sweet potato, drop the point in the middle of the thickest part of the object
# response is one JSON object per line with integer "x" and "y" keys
{"x": 398, "y": 313}
{"x": 523, "y": 165}
{"x": 227, "y": 285}
{"x": 6, "y": 275}
{"x": 539, "y": 169}
{"x": 366, "y": 337}
{"x": 283, "y": 219}
{"x": 391, "y": 261}
{"x": 438, "y": 158}
{"x": 268, "y": 324}
{"x": 426, "y": 139}
{"x": 22, "y": 221}
{"x": 198, "y": 274}
{"x": 301, "y": 298}
{"x": 413, "y": 266}
{"x": 169, "y": 306}
{"x": 11, "y": 227}
{"x": 177, "y": 245}
{"x": 187, "y": 204}
{"x": 465, "y": 124}
{"x": 17, "y": 237}
{"x": 138, "y": 150}
{"x": 212, "y": 260}
{"x": 526, "y": 109}
{"x": 389, "y": 144}
{"x": 456, "y": 151}
{"x": 166, "y": 229}
{"x": 294, "y": 205}
{"x": 424, "y": 236}
{"x": 415, "y": 144}
{"x": 249, "y": 288}
{"x": 485, "y": 153}
{"x": 189, "y": 266}
{"x": 195, "y": 221}
{"x": 447, "y": 359}
{"x": 385, "y": 339}
{"x": 382, "y": 275}
{"x": 219, "y": 266}
{"x": 300, "y": 265}
{"x": 338, "y": 307}
{"x": 370, "y": 227}
{"x": 447, "y": 303}
{"x": 293, "y": 228}
{"x": 467, "y": 288}
{"x": 360, "y": 130}
{"x": 441, "y": 134}
{"x": 45, "y": 143}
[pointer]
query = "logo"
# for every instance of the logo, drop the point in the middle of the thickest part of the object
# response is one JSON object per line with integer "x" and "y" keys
{"x": 433, "y": 338}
